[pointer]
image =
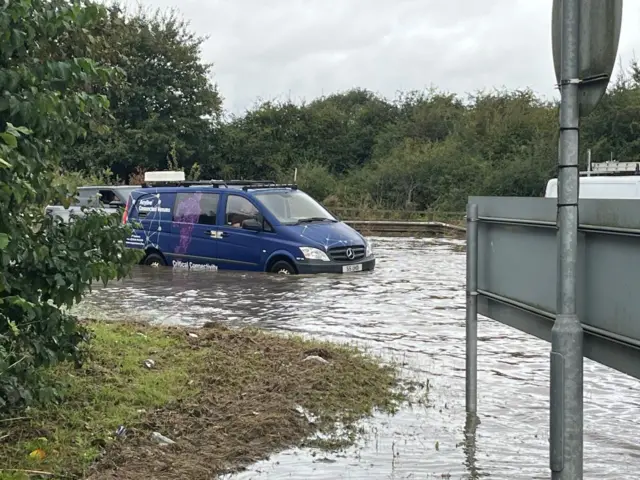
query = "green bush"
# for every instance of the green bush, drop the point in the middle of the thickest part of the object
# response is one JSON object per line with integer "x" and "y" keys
{"x": 46, "y": 80}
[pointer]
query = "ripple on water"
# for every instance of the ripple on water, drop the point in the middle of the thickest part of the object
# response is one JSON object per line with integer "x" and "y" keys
{"x": 410, "y": 309}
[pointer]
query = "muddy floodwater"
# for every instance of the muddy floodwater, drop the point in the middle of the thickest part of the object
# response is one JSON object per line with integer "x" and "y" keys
{"x": 411, "y": 310}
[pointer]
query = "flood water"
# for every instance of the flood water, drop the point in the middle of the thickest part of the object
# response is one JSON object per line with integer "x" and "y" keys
{"x": 410, "y": 309}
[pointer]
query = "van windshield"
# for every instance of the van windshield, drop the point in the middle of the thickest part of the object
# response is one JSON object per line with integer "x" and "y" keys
{"x": 294, "y": 207}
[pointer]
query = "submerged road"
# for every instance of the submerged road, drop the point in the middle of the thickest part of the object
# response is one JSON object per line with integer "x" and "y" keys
{"x": 411, "y": 310}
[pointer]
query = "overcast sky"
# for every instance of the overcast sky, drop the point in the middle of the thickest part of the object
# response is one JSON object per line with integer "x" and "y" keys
{"x": 301, "y": 49}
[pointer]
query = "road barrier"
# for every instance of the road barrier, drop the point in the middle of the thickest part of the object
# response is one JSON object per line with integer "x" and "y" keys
{"x": 393, "y": 228}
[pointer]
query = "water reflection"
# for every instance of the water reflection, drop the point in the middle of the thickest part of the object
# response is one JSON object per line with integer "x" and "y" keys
{"x": 469, "y": 446}
{"x": 411, "y": 310}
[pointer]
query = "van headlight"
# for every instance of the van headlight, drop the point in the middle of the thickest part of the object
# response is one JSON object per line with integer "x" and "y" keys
{"x": 311, "y": 253}
{"x": 369, "y": 248}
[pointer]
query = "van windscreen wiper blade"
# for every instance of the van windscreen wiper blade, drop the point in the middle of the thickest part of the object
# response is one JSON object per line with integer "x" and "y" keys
{"x": 315, "y": 219}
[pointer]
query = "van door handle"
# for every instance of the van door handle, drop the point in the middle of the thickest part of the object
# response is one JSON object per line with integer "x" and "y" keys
{"x": 223, "y": 234}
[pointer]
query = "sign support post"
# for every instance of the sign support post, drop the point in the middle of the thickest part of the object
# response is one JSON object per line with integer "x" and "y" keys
{"x": 471, "y": 370}
{"x": 566, "y": 402}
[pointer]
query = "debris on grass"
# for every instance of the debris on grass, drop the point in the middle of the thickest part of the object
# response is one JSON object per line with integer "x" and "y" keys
{"x": 161, "y": 439}
{"x": 213, "y": 402}
{"x": 315, "y": 358}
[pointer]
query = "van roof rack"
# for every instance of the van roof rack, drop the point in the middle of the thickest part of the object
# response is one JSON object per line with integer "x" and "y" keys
{"x": 251, "y": 182}
{"x": 292, "y": 186}
{"x": 177, "y": 179}
{"x": 613, "y": 167}
{"x": 224, "y": 183}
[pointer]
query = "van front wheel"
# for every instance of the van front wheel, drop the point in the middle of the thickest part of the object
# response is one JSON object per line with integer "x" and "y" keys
{"x": 154, "y": 260}
{"x": 282, "y": 267}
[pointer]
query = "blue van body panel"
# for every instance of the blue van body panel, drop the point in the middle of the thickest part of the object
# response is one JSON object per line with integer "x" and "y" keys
{"x": 190, "y": 242}
{"x": 189, "y": 228}
{"x": 151, "y": 219}
{"x": 239, "y": 249}
{"x": 324, "y": 234}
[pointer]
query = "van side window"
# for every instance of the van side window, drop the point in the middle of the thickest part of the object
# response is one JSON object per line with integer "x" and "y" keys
{"x": 89, "y": 196}
{"x": 196, "y": 208}
{"x": 107, "y": 196}
{"x": 238, "y": 210}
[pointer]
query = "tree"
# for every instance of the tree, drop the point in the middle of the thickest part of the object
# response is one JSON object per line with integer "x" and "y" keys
{"x": 47, "y": 101}
{"x": 425, "y": 150}
{"x": 337, "y": 132}
{"x": 613, "y": 128}
{"x": 267, "y": 143}
{"x": 166, "y": 101}
{"x": 424, "y": 116}
{"x": 315, "y": 179}
{"x": 344, "y": 127}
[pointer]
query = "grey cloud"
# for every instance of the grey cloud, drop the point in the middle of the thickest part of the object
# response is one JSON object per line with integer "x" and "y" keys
{"x": 305, "y": 48}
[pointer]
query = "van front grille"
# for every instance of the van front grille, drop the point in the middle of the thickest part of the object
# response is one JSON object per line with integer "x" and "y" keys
{"x": 347, "y": 254}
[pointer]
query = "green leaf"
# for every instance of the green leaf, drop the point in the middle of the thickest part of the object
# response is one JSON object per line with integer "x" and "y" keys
{"x": 4, "y": 241}
{"x": 14, "y": 328}
{"x": 17, "y": 131}
{"x": 9, "y": 139}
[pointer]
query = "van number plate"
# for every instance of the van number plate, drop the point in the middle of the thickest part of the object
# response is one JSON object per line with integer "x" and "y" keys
{"x": 352, "y": 268}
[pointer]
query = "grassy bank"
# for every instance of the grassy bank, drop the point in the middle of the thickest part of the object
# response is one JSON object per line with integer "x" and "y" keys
{"x": 227, "y": 398}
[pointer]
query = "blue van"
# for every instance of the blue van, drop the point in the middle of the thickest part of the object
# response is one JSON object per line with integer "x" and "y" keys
{"x": 241, "y": 225}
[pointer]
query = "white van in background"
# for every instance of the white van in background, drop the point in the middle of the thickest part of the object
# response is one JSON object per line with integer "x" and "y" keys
{"x": 602, "y": 182}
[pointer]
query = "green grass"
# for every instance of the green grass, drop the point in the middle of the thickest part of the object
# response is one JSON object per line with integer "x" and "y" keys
{"x": 109, "y": 391}
{"x": 228, "y": 398}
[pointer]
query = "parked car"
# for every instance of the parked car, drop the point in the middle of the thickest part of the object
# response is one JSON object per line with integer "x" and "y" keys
{"x": 240, "y": 225}
{"x": 106, "y": 198}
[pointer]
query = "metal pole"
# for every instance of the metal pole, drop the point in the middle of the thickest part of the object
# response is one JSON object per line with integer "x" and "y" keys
{"x": 566, "y": 408}
{"x": 472, "y": 310}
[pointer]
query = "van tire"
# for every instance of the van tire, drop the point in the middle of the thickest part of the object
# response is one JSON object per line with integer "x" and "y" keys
{"x": 283, "y": 267}
{"x": 154, "y": 260}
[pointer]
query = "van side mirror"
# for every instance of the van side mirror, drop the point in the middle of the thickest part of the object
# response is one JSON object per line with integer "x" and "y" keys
{"x": 252, "y": 224}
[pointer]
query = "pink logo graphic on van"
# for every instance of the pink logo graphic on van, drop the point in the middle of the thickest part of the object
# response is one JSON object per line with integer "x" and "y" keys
{"x": 187, "y": 212}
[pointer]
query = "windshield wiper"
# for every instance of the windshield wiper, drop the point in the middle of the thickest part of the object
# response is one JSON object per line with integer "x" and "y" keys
{"x": 315, "y": 219}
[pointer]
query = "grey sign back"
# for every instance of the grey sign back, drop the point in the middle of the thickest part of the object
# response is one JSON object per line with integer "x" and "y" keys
{"x": 517, "y": 272}
{"x": 600, "y": 25}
